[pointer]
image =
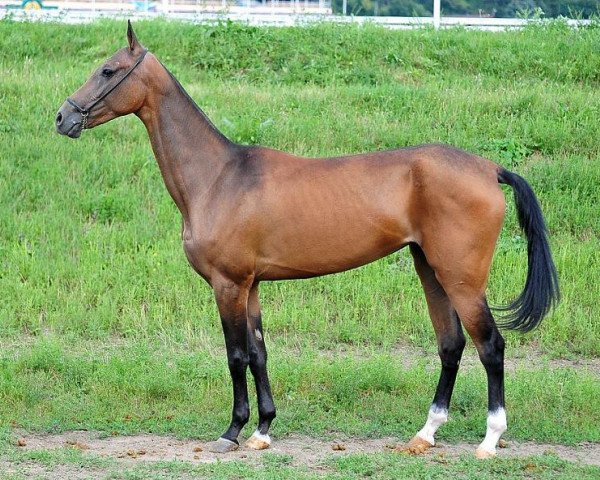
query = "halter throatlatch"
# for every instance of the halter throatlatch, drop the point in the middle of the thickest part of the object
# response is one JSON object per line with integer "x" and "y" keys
{"x": 85, "y": 112}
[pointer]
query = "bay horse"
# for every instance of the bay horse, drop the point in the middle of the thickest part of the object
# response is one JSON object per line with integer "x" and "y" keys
{"x": 252, "y": 214}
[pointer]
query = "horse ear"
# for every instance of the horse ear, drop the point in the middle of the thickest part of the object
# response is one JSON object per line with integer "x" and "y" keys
{"x": 131, "y": 38}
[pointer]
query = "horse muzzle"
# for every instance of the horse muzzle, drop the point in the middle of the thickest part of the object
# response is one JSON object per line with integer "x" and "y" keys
{"x": 69, "y": 121}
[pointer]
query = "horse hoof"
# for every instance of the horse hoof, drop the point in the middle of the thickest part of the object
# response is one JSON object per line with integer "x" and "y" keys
{"x": 222, "y": 445}
{"x": 481, "y": 453}
{"x": 416, "y": 446}
{"x": 258, "y": 441}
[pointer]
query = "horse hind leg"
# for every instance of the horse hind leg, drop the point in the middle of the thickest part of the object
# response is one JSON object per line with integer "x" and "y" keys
{"x": 451, "y": 343}
{"x": 465, "y": 286}
{"x": 480, "y": 325}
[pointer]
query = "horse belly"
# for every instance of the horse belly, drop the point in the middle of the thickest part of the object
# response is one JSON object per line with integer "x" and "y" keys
{"x": 313, "y": 250}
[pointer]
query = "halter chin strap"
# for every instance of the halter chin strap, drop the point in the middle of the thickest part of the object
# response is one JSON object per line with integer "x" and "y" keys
{"x": 85, "y": 112}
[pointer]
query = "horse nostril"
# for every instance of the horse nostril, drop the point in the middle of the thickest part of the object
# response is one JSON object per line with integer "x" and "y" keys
{"x": 59, "y": 118}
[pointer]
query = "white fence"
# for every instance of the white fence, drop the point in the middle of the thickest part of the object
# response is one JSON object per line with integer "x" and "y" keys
{"x": 168, "y": 7}
{"x": 273, "y": 13}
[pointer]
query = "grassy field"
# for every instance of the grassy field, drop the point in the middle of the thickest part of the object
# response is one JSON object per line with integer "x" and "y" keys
{"x": 104, "y": 326}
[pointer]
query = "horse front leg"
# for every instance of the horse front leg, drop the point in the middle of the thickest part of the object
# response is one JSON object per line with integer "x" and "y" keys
{"x": 232, "y": 301}
{"x": 260, "y": 439}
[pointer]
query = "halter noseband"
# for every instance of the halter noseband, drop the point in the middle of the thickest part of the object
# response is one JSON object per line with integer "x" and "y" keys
{"x": 85, "y": 112}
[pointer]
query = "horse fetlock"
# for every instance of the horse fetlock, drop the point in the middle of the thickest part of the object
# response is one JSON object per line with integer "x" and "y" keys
{"x": 267, "y": 412}
{"x": 496, "y": 426}
{"x": 496, "y": 421}
{"x": 241, "y": 416}
{"x": 435, "y": 419}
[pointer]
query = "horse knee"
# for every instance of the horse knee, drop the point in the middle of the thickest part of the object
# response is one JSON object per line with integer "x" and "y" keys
{"x": 238, "y": 360}
{"x": 257, "y": 355}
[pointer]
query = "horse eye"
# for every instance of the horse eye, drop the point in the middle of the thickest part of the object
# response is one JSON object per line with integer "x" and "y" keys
{"x": 107, "y": 72}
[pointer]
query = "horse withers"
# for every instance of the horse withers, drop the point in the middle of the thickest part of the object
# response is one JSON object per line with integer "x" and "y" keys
{"x": 253, "y": 214}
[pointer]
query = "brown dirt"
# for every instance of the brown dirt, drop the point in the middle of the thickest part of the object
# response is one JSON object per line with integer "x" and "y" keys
{"x": 304, "y": 450}
{"x": 33, "y": 470}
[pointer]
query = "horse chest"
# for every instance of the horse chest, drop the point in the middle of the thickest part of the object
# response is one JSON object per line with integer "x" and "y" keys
{"x": 197, "y": 250}
{"x": 204, "y": 253}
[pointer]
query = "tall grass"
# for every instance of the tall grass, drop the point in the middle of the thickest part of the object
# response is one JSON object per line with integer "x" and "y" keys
{"x": 89, "y": 239}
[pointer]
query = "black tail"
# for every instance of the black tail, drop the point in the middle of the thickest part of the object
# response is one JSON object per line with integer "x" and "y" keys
{"x": 541, "y": 291}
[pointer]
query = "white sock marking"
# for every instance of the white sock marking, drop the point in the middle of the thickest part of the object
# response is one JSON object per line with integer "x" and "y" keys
{"x": 496, "y": 426}
{"x": 436, "y": 418}
{"x": 262, "y": 436}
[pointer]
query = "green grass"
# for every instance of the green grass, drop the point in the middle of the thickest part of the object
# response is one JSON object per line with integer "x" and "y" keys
{"x": 184, "y": 389}
{"x": 101, "y": 317}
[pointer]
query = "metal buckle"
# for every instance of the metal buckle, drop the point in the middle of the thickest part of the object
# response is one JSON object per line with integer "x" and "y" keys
{"x": 84, "y": 118}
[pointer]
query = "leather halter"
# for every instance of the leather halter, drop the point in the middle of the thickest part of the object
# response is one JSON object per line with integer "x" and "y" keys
{"x": 85, "y": 112}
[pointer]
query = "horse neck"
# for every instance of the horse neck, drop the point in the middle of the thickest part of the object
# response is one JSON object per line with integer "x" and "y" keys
{"x": 190, "y": 151}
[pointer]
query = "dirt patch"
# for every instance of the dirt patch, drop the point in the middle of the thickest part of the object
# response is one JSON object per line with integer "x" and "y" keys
{"x": 586, "y": 453}
{"x": 304, "y": 450}
{"x": 55, "y": 472}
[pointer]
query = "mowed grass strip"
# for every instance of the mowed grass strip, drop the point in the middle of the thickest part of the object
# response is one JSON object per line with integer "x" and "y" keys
{"x": 89, "y": 238}
{"x": 50, "y": 386}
